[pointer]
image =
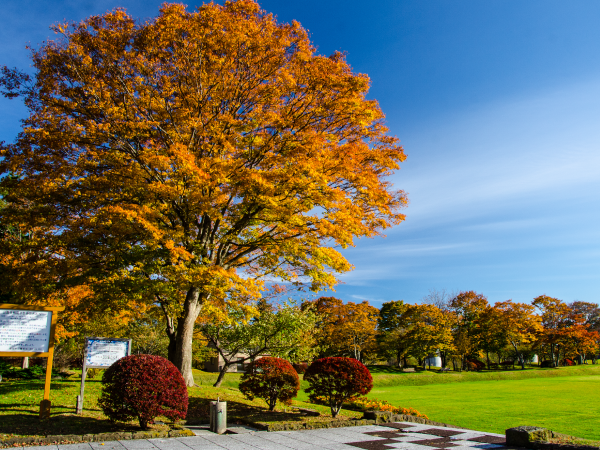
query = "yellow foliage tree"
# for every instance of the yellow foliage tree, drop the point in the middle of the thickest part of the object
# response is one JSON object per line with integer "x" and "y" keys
{"x": 184, "y": 159}
{"x": 429, "y": 330}
{"x": 520, "y": 325}
{"x": 347, "y": 328}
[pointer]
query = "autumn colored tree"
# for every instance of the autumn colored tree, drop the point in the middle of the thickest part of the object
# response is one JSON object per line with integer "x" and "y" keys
{"x": 392, "y": 330}
{"x": 590, "y": 313}
{"x": 336, "y": 380}
{"x": 429, "y": 330}
{"x": 489, "y": 332}
{"x": 556, "y": 317}
{"x": 520, "y": 325}
{"x": 271, "y": 379}
{"x": 347, "y": 328}
{"x": 467, "y": 306}
{"x": 182, "y": 160}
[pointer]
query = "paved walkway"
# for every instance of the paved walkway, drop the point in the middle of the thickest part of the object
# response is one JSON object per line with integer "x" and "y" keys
{"x": 398, "y": 435}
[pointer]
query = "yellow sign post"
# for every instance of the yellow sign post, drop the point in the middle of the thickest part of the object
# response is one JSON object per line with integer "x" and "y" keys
{"x": 29, "y": 331}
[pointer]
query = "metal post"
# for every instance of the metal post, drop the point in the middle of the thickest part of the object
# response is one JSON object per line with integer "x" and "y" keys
{"x": 218, "y": 417}
{"x": 79, "y": 404}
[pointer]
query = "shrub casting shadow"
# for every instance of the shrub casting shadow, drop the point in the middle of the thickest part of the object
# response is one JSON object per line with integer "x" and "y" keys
{"x": 199, "y": 409}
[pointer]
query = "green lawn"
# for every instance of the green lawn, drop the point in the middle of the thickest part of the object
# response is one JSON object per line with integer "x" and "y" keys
{"x": 564, "y": 400}
{"x": 564, "y": 404}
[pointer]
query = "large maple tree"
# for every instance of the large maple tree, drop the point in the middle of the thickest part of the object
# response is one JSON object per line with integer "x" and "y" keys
{"x": 191, "y": 157}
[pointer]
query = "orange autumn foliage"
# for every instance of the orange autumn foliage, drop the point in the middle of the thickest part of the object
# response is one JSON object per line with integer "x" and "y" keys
{"x": 189, "y": 158}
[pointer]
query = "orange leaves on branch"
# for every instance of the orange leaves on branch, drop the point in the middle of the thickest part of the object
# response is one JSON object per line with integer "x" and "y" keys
{"x": 197, "y": 154}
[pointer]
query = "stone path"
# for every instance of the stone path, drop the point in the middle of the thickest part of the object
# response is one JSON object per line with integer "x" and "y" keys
{"x": 396, "y": 435}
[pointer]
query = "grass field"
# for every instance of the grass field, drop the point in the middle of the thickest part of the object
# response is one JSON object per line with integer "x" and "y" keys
{"x": 20, "y": 399}
{"x": 564, "y": 400}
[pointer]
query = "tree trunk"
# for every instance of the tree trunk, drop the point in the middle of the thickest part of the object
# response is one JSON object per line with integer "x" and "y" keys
{"x": 25, "y": 363}
{"x": 335, "y": 410}
{"x": 171, "y": 333}
{"x": 185, "y": 334}
{"x": 487, "y": 357}
{"x": 222, "y": 374}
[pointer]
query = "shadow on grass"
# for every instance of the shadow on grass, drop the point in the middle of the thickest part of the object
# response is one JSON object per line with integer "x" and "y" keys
{"x": 14, "y": 386}
{"x": 384, "y": 369}
{"x": 59, "y": 424}
{"x": 199, "y": 408}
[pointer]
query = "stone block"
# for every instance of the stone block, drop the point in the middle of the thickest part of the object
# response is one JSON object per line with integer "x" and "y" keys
{"x": 105, "y": 437}
{"x": 275, "y": 427}
{"x": 293, "y": 426}
{"x": 149, "y": 434}
{"x": 51, "y": 439}
{"x": 378, "y": 416}
{"x": 181, "y": 433}
{"x": 526, "y": 436}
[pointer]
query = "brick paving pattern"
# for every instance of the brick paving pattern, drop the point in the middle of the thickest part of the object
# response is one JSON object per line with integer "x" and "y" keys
{"x": 397, "y": 435}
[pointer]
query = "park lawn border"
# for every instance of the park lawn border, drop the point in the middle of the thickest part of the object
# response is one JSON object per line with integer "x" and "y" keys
{"x": 99, "y": 437}
{"x": 369, "y": 418}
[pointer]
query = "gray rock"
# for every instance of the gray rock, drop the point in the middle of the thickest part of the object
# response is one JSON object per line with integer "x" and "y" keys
{"x": 527, "y": 436}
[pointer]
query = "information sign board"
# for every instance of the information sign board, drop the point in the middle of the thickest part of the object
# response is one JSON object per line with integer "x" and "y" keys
{"x": 102, "y": 353}
{"x": 25, "y": 330}
{"x": 28, "y": 330}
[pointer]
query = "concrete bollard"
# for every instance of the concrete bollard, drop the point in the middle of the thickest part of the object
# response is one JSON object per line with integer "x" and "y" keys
{"x": 218, "y": 417}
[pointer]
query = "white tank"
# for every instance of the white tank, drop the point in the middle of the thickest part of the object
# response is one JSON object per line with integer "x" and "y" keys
{"x": 433, "y": 361}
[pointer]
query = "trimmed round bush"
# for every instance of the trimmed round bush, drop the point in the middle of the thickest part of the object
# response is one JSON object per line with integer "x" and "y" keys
{"x": 336, "y": 380}
{"x": 143, "y": 387}
{"x": 271, "y": 379}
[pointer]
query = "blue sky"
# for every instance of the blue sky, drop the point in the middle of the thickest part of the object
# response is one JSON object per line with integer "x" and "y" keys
{"x": 497, "y": 105}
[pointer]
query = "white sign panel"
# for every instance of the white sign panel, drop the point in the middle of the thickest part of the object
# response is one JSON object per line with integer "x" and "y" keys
{"x": 104, "y": 352}
{"x": 24, "y": 330}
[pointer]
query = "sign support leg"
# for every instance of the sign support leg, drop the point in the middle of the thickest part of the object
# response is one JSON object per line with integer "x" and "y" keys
{"x": 79, "y": 407}
{"x": 46, "y": 404}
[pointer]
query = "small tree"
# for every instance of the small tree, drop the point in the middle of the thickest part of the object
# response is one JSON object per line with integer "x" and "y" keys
{"x": 286, "y": 331}
{"x": 271, "y": 379}
{"x": 143, "y": 387}
{"x": 336, "y": 380}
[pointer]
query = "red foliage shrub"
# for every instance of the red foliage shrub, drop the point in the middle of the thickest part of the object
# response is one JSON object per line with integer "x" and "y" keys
{"x": 568, "y": 362}
{"x": 336, "y": 380}
{"x": 143, "y": 387}
{"x": 300, "y": 367}
{"x": 271, "y": 379}
{"x": 475, "y": 364}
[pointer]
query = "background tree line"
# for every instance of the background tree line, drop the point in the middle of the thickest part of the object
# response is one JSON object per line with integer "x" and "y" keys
{"x": 462, "y": 329}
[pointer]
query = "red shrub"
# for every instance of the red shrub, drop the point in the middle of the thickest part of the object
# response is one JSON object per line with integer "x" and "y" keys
{"x": 568, "y": 362}
{"x": 143, "y": 387}
{"x": 336, "y": 380}
{"x": 300, "y": 367}
{"x": 271, "y": 379}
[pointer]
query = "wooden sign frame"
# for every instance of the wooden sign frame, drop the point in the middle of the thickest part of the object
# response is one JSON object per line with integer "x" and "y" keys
{"x": 54, "y": 310}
